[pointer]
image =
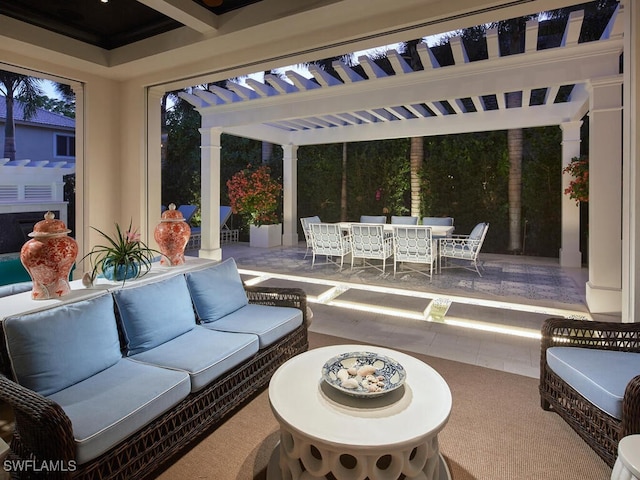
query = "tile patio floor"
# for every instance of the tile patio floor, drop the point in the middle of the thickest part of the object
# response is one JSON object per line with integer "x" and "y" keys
{"x": 458, "y": 315}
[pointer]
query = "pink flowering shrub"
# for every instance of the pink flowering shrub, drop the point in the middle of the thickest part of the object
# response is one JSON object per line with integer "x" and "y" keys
{"x": 578, "y": 188}
{"x": 254, "y": 195}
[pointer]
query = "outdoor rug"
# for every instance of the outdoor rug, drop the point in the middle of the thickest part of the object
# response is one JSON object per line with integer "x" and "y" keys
{"x": 500, "y": 280}
{"x": 497, "y": 431}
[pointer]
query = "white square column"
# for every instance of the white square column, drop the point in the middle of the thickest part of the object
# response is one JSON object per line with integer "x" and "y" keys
{"x": 631, "y": 172}
{"x": 289, "y": 195}
{"x": 570, "y": 255}
{"x": 604, "y": 288}
{"x": 210, "y": 193}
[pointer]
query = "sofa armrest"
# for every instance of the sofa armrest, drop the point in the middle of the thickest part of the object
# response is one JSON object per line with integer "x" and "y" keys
{"x": 566, "y": 332}
{"x": 42, "y": 429}
{"x": 279, "y": 297}
{"x": 630, "y": 424}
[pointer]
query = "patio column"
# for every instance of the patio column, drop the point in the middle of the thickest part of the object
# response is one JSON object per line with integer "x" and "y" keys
{"x": 210, "y": 193}
{"x": 570, "y": 255}
{"x": 604, "y": 288}
{"x": 290, "y": 195}
{"x": 631, "y": 172}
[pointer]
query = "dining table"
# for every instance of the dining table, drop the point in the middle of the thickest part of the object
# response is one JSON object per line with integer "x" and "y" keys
{"x": 437, "y": 231}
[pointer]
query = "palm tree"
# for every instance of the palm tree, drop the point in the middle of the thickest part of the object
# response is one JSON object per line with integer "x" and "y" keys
{"x": 511, "y": 35}
{"x": 28, "y": 89}
{"x": 416, "y": 153}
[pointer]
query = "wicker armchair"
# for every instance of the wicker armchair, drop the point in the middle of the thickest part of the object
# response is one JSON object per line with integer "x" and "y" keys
{"x": 600, "y": 430}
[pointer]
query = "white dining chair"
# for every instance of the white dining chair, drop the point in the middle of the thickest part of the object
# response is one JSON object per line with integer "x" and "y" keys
{"x": 329, "y": 240}
{"x": 306, "y": 229}
{"x": 462, "y": 251}
{"x": 369, "y": 242}
{"x": 413, "y": 245}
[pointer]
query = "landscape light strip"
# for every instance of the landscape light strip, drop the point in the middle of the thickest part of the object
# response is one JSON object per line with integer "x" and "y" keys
{"x": 551, "y": 311}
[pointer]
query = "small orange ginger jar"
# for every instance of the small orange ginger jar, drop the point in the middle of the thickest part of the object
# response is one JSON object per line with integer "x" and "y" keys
{"x": 49, "y": 257}
{"x": 172, "y": 235}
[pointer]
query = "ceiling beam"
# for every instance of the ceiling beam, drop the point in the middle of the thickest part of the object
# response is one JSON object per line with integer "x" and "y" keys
{"x": 187, "y": 12}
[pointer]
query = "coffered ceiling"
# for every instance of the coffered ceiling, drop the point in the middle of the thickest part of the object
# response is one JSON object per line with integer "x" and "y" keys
{"x": 114, "y": 23}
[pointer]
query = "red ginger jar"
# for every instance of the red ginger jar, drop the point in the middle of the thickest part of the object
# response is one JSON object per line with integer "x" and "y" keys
{"x": 172, "y": 235}
{"x": 48, "y": 257}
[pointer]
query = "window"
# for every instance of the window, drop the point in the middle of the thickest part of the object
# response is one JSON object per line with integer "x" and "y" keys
{"x": 65, "y": 145}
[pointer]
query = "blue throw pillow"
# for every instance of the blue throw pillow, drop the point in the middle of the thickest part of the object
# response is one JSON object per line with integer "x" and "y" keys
{"x": 217, "y": 291}
{"x": 59, "y": 347}
{"x": 155, "y": 313}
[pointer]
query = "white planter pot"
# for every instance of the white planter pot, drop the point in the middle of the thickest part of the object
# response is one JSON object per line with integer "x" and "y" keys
{"x": 265, "y": 236}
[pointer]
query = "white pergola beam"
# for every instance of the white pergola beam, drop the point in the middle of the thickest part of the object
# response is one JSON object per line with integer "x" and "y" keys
{"x": 538, "y": 70}
{"x": 460, "y": 55}
{"x": 442, "y": 125}
{"x": 242, "y": 91}
{"x": 427, "y": 57}
{"x": 572, "y": 30}
{"x": 371, "y": 68}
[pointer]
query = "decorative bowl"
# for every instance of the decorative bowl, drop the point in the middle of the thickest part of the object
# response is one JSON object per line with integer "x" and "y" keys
{"x": 363, "y": 374}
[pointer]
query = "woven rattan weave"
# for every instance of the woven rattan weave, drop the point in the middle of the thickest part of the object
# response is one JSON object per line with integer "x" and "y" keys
{"x": 600, "y": 430}
{"x": 44, "y": 433}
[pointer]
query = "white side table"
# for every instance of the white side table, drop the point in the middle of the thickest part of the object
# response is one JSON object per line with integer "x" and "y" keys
{"x": 323, "y": 431}
{"x": 627, "y": 466}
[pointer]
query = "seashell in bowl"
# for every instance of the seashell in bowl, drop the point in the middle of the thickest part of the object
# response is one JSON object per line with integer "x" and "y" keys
{"x": 363, "y": 374}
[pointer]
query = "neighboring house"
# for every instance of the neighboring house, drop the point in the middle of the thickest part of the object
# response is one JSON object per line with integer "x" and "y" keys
{"x": 34, "y": 183}
{"x": 45, "y": 136}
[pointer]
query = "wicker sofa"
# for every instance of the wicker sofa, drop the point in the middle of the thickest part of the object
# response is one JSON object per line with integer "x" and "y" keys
{"x": 590, "y": 376}
{"x": 116, "y": 385}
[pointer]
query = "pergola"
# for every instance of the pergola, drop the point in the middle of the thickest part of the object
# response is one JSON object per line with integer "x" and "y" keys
{"x": 119, "y": 89}
{"x": 468, "y": 96}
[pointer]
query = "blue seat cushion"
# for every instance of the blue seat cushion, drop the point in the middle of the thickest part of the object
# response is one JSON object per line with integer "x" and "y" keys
{"x": 58, "y": 347}
{"x": 217, "y": 291}
{"x": 204, "y": 354}
{"x": 269, "y": 323}
{"x": 111, "y": 405}
{"x": 598, "y": 375}
{"x": 155, "y": 313}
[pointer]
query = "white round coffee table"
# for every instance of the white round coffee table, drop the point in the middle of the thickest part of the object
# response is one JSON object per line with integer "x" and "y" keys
{"x": 323, "y": 431}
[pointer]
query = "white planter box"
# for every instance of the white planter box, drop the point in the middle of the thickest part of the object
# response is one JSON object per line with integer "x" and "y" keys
{"x": 265, "y": 236}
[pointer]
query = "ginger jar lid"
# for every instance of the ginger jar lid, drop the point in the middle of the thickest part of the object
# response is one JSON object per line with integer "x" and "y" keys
{"x": 49, "y": 227}
{"x": 172, "y": 215}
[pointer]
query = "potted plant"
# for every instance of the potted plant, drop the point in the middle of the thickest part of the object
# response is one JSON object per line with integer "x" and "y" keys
{"x": 122, "y": 257}
{"x": 578, "y": 188}
{"x": 254, "y": 194}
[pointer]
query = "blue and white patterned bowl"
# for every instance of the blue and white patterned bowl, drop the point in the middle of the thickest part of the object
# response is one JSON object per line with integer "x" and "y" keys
{"x": 392, "y": 373}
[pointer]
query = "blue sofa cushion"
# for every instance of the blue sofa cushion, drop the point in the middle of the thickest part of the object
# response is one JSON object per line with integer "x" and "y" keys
{"x": 598, "y": 375}
{"x": 204, "y": 354}
{"x": 15, "y": 288}
{"x": 55, "y": 348}
{"x": 155, "y": 313}
{"x": 217, "y": 291}
{"x": 111, "y": 405}
{"x": 269, "y": 323}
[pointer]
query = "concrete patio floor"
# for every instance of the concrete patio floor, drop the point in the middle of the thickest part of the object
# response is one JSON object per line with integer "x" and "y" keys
{"x": 492, "y": 321}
